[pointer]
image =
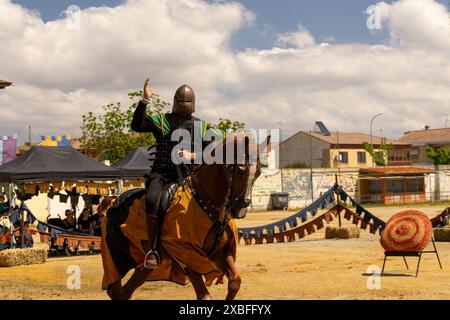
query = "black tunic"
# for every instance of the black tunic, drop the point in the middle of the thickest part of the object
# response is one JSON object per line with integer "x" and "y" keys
{"x": 162, "y": 126}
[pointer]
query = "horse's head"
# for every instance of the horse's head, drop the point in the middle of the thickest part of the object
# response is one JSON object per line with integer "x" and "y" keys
{"x": 242, "y": 174}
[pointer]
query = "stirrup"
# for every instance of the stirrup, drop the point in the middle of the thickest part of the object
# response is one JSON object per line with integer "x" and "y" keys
{"x": 147, "y": 264}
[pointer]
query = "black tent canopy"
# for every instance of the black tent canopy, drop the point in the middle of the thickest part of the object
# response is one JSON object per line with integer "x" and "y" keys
{"x": 137, "y": 163}
{"x": 55, "y": 164}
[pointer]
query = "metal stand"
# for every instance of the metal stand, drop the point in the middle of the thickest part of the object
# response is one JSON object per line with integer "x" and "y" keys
{"x": 411, "y": 254}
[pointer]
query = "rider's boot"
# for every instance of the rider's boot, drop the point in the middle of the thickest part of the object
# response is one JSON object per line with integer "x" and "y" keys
{"x": 152, "y": 259}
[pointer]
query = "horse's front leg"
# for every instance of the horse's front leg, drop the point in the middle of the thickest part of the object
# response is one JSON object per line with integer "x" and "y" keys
{"x": 115, "y": 291}
{"x": 234, "y": 280}
{"x": 199, "y": 285}
{"x": 137, "y": 279}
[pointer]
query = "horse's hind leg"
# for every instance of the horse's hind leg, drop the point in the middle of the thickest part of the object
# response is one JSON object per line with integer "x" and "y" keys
{"x": 234, "y": 280}
{"x": 137, "y": 279}
{"x": 115, "y": 291}
{"x": 199, "y": 286}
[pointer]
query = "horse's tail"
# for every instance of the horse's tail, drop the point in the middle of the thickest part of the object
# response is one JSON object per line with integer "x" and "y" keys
{"x": 114, "y": 245}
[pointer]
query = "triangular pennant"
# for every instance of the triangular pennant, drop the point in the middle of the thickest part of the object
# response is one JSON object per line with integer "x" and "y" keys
{"x": 343, "y": 195}
{"x": 359, "y": 209}
{"x": 293, "y": 223}
{"x": 367, "y": 217}
{"x": 41, "y": 227}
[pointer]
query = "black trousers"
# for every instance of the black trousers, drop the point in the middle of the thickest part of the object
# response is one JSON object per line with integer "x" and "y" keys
{"x": 155, "y": 186}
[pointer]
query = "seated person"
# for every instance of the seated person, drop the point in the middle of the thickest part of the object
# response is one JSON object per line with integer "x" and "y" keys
{"x": 69, "y": 223}
{"x": 85, "y": 222}
{"x": 3, "y": 204}
{"x": 27, "y": 237}
{"x": 97, "y": 223}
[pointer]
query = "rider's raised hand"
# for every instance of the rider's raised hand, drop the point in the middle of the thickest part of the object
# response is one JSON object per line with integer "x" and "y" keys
{"x": 147, "y": 89}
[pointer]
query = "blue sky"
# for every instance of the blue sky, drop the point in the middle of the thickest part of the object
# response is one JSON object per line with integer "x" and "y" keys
{"x": 343, "y": 20}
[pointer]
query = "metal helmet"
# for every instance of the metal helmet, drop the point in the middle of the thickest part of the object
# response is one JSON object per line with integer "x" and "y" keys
{"x": 184, "y": 101}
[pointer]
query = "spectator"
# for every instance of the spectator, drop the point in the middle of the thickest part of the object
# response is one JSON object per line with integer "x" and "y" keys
{"x": 97, "y": 220}
{"x": 85, "y": 222}
{"x": 3, "y": 204}
{"x": 27, "y": 237}
{"x": 69, "y": 223}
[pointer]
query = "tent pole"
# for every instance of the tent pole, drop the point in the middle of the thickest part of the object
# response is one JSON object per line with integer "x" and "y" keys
{"x": 22, "y": 234}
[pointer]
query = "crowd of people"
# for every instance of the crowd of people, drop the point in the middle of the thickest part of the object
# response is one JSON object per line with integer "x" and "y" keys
{"x": 86, "y": 223}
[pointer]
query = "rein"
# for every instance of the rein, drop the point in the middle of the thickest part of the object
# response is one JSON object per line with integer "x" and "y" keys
{"x": 211, "y": 209}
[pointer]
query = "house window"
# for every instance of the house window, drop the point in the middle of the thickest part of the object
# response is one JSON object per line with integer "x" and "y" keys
{"x": 416, "y": 185}
{"x": 395, "y": 186}
{"x": 399, "y": 155}
{"x": 343, "y": 157}
{"x": 374, "y": 186}
{"x": 361, "y": 157}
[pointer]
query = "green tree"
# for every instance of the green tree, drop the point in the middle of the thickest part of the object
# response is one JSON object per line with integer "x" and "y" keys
{"x": 108, "y": 136}
{"x": 380, "y": 156}
{"x": 440, "y": 156}
{"x": 226, "y": 124}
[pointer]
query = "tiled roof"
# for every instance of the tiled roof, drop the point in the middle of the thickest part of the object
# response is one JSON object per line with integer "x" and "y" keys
{"x": 427, "y": 136}
{"x": 352, "y": 138}
{"x": 397, "y": 170}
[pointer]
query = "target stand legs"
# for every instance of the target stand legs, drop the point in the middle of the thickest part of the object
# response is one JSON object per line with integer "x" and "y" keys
{"x": 402, "y": 254}
{"x": 405, "y": 254}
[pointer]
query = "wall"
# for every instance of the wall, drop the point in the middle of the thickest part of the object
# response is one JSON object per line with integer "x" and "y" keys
{"x": 297, "y": 149}
{"x": 297, "y": 182}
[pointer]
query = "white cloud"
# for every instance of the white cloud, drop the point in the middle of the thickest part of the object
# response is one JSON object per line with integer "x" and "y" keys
{"x": 299, "y": 39}
{"x": 61, "y": 73}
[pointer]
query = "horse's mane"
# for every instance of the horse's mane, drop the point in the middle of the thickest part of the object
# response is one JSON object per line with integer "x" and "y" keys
{"x": 231, "y": 141}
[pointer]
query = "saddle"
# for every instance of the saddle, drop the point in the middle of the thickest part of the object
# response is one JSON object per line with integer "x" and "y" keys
{"x": 165, "y": 198}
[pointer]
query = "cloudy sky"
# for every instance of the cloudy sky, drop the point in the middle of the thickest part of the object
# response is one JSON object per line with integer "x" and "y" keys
{"x": 262, "y": 62}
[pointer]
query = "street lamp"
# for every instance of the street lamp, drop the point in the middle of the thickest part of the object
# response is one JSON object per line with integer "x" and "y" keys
{"x": 371, "y": 123}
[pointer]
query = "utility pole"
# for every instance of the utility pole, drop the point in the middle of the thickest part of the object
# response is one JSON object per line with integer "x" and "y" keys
{"x": 371, "y": 141}
{"x": 311, "y": 166}
{"x": 29, "y": 135}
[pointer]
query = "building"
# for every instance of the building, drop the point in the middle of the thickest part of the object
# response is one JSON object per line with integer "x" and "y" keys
{"x": 420, "y": 140}
{"x": 393, "y": 185}
{"x": 343, "y": 149}
{"x": 4, "y": 84}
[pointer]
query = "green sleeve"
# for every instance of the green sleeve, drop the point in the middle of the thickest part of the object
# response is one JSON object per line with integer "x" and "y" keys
{"x": 159, "y": 119}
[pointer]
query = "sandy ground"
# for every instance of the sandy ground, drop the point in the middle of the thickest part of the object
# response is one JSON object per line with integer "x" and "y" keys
{"x": 311, "y": 268}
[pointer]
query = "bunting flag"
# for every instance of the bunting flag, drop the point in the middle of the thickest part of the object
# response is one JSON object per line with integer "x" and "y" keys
{"x": 323, "y": 202}
{"x": 56, "y": 141}
{"x": 361, "y": 217}
{"x": 7, "y": 149}
{"x": 366, "y": 217}
{"x": 439, "y": 219}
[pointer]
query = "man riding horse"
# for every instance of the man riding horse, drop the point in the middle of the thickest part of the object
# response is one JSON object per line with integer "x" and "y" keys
{"x": 164, "y": 171}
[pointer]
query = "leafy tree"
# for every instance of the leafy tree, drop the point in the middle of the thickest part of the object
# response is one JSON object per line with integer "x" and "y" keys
{"x": 108, "y": 136}
{"x": 226, "y": 124}
{"x": 380, "y": 156}
{"x": 440, "y": 156}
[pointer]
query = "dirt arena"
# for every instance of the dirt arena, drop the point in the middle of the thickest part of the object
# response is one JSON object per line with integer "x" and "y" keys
{"x": 311, "y": 268}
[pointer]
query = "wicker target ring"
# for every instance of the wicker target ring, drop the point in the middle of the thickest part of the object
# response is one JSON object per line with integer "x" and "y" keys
{"x": 409, "y": 230}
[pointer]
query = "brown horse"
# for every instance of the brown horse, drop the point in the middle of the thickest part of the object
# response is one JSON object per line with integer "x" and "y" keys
{"x": 198, "y": 235}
